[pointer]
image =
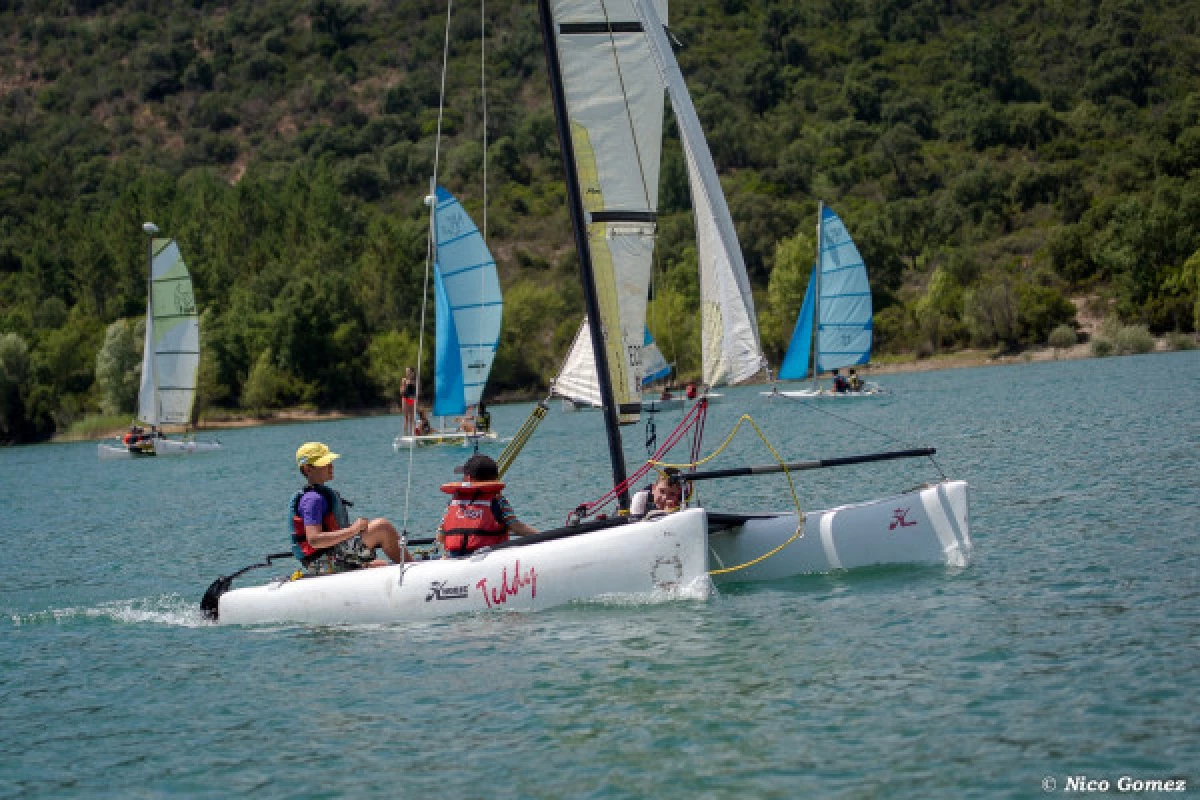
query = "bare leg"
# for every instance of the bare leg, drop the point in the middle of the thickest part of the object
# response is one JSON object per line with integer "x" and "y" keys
{"x": 381, "y": 533}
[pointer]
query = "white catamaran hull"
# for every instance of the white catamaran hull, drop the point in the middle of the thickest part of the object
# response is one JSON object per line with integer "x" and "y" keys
{"x": 649, "y": 403}
{"x": 450, "y": 439}
{"x": 660, "y": 559}
{"x": 162, "y": 447}
{"x": 825, "y": 394}
{"x": 925, "y": 526}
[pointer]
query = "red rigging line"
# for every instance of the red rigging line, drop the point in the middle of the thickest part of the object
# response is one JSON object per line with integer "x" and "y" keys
{"x": 693, "y": 420}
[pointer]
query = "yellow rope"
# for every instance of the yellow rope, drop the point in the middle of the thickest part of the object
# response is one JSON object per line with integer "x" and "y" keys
{"x": 787, "y": 473}
{"x": 520, "y": 439}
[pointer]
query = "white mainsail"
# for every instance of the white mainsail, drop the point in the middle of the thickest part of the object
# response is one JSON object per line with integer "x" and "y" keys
{"x": 171, "y": 353}
{"x": 730, "y": 343}
{"x": 615, "y": 109}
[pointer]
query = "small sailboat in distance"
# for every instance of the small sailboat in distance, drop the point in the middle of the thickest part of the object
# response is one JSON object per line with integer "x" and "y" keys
{"x": 468, "y": 311}
{"x": 834, "y": 328}
{"x": 170, "y": 359}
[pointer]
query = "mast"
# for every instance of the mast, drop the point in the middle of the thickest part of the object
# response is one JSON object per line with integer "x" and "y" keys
{"x": 616, "y": 454}
{"x": 816, "y": 336}
{"x": 149, "y": 362}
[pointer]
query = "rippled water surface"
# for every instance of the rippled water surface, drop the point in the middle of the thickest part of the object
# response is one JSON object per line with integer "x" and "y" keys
{"x": 1069, "y": 647}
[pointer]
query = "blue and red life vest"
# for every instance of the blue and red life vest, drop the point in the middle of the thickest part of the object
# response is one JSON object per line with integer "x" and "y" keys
{"x": 336, "y": 518}
{"x": 472, "y": 519}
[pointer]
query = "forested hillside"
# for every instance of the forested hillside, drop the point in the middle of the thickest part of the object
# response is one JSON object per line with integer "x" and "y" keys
{"x": 992, "y": 159}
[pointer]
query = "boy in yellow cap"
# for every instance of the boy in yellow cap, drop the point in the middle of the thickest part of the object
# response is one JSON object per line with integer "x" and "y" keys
{"x": 323, "y": 538}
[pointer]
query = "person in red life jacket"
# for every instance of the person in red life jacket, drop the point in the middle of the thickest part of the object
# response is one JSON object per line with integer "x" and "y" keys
{"x": 323, "y": 538}
{"x": 839, "y": 383}
{"x": 478, "y": 515}
{"x": 136, "y": 440}
{"x": 690, "y": 391}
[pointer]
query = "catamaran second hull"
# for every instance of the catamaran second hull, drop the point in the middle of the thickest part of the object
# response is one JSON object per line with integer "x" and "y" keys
{"x": 656, "y": 560}
{"x": 162, "y": 447}
{"x": 925, "y": 526}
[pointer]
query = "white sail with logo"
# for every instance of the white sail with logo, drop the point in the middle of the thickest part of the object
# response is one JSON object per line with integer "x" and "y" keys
{"x": 615, "y": 110}
{"x": 171, "y": 353}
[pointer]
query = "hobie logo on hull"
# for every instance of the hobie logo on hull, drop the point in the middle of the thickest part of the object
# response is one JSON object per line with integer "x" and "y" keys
{"x": 438, "y": 590}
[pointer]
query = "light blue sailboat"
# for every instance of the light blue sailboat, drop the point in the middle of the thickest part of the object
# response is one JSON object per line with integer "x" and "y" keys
{"x": 468, "y": 311}
{"x": 834, "y": 329}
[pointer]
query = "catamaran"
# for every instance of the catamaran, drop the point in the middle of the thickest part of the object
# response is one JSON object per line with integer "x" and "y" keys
{"x": 468, "y": 309}
{"x": 834, "y": 328}
{"x": 662, "y": 556}
{"x": 170, "y": 358}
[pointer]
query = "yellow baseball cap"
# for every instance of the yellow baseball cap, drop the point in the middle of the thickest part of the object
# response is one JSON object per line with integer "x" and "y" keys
{"x": 314, "y": 454}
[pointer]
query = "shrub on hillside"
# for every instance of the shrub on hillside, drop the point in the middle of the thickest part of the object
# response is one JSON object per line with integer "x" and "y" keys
{"x": 1062, "y": 337}
{"x": 1102, "y": 347}
{"x": 1181, "y": 341}
{"x": 1134, "y": 339}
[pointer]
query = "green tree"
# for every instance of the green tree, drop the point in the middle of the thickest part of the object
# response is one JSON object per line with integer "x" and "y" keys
{"x": 388, "y": 355}
{"x": 14, "y": 370}
{"x": 118, "y": 365}
{"x": 789, "y": 278}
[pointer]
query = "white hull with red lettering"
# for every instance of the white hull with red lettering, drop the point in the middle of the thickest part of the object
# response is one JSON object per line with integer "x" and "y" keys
{"x": 929, "y": 525}
{"x": 651, "y": 561}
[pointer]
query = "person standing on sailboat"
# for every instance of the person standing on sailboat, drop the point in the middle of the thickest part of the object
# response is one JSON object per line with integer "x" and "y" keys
{"x": 323, "y": 538}
{"x": 408, "y": 400}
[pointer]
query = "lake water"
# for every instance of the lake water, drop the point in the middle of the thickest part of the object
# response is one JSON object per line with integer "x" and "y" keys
{"x": 1070, "y": 647}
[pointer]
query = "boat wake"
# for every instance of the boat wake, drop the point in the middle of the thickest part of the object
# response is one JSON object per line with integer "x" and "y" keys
{"x": 172, "y": 610}
{"x": 700, "y": 589}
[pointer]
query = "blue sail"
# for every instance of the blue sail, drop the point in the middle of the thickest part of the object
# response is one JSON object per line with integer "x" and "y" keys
{"x": 844, "y": 325}
{"x": 795, "y": 363}
{"x": 469, "y": 307}
{"x": 448, "y": 375}
{"x": 653, "y": 363}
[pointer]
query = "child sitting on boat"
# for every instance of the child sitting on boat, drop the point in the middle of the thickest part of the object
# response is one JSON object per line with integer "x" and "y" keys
{"x": 323, "y": 537}
{"x": 478, "y": 515}
{"x": 666, "y": 496}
